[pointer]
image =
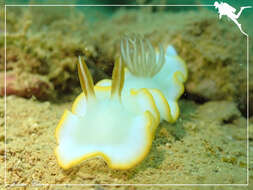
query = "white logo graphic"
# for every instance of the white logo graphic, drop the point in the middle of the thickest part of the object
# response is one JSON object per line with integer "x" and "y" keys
{"x": 229, "y": 11}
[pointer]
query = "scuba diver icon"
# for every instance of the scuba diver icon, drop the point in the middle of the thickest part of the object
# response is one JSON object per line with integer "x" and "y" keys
{"x": 229, "y": 11}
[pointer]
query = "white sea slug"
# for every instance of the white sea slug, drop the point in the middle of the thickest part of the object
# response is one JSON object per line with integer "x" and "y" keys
{"x": 100, "y": 125}
{"x": 161, "y": 73}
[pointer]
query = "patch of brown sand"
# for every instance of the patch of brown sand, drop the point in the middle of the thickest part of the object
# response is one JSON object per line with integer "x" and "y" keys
{"x": 193, "y": 150}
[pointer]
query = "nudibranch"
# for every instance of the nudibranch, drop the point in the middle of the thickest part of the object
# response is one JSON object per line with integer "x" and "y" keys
{"x": 100, "y": 125}
{"x": 161, "y": 73}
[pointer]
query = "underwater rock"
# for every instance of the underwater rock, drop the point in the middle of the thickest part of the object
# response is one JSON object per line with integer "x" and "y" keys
{"x": 26, "y": 85}
{"x": 214, "y": 50}
{"x": 219, "y": 111}
{"x": 44, "y": 46}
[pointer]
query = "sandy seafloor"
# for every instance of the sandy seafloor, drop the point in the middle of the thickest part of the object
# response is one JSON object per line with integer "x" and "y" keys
{"x": 207, "y": 144}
